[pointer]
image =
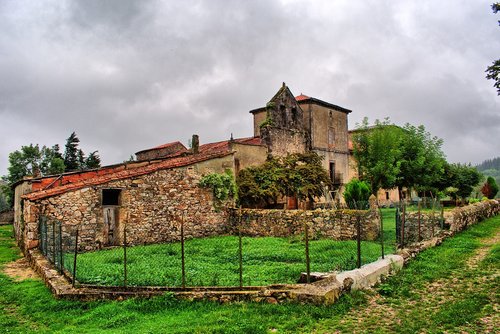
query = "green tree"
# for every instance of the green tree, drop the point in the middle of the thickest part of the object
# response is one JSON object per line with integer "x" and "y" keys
{"x": 421, "y": 160}
{"x": 300, "y": 175}
{"x": 490, "y": 188}
{"x": 464, "y": 177}
{"x": 72, "y": 154}
{"x": 305, "y": 176}
{"x": 23, "y": 162}
{"x": 52, "y": 161}
{"x": 376, "y": 150}
{"x": 261, "y": 185}
{"x": 93, "y": 161}
{"x": 356, "y": 194}
{"x": 493, "y": 71}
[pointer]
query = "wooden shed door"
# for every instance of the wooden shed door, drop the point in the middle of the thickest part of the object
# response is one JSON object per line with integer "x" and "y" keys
{"x": 110, "y": 226}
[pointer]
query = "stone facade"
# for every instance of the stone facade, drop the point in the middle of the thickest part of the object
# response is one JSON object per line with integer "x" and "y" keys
{"x": 161, "y": 151}
{"x": 299, "y": 124}
{"x": 150, "y": 206}
{"x": 332, "y": 224}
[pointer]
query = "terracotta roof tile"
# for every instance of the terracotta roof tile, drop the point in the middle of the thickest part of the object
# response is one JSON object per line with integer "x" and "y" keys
{"x": 124, "y": 174}
{"x": 302, "y": 97}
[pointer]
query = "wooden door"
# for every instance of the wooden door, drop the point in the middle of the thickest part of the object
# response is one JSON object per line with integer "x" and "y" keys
{"x": 110, "y": 226}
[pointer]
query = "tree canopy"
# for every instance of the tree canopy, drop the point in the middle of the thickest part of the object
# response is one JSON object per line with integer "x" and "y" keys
{"x": 493, "y": 71}
{"x": 300, "y": 175}
{"x": 490, "y": 188}
{"x": 31, "y": 160}
{"x": 377, "y": 152}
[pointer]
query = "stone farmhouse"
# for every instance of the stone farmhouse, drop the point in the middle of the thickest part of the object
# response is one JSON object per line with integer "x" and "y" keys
{"x": 161, "y": 187}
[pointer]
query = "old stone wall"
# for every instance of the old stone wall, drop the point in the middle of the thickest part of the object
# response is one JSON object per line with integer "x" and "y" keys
{"x": 455, "y": 220}
{"x": 281, "y": 141}
{"x": 334, "y": 224}
{"x": 151, "y": 207}
{"x": 158, "y": 153}
{"x": 459, "y": 218}
{"x": 6, "y": 217}
{"x": 428, "y": 223}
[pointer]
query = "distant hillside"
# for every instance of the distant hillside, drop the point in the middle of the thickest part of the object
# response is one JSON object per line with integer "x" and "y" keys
{"x": 489, "y": 164}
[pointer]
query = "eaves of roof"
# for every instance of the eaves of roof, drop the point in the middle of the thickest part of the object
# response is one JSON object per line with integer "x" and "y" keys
{"x": 125, "y": 174}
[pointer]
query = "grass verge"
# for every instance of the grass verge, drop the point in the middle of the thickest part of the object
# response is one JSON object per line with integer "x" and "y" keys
{"x": 404, "y": 307}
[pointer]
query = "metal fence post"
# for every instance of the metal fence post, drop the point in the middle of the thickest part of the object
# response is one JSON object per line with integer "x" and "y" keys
{"x": 74, "y": 259}
{"x": 240, "y": 250}
{"x": 124, "y": 255}
{"x": 308, "y": 260}
{"x": 54, "y": 242}
{"x": 358, "y": 241}
{"x": 183, "y": 263}
{"x": 419, "y": 223}
{"x": 382, "y": 232}
{"x": 442, "y": 217}
{"x": 61, "y": 258}
{"x": 403, "y": 214}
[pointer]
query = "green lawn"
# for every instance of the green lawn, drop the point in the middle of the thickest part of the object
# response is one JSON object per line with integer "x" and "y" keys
{"x": 215, "y": 261}
{"x": 404, "y": 305}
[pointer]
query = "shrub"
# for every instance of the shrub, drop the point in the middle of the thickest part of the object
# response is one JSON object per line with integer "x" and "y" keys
{"x": 490, "y": 188}
{"x": 356, "y": 192}
{"x": 223, "y": 186}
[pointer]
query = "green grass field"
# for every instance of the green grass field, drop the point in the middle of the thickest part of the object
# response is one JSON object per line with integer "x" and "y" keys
{"x": 215, "y": 261}
{"x": 405, "y": 303}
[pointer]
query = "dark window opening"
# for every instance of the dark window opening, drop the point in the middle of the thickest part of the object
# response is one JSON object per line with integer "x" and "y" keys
{"x": 294, "y": 115}
{"x": 111, "y": 196}
{"x": 332, "y": 171}
{"x": 387, "y": 195}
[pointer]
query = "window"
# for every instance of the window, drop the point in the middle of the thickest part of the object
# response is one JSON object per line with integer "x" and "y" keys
{"x": 332, "y": 171}
{"x": 387, "y": 195}
{"x": 331, "y": 136}
{"x": 111, "y": 196}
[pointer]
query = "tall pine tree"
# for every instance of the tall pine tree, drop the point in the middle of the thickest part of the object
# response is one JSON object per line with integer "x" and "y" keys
{"x": 71, "y": 153}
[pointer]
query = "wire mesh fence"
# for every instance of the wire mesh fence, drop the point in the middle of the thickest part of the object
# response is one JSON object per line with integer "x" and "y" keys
{"x": 233, "y": 260}
{"x": 418, "y": 221}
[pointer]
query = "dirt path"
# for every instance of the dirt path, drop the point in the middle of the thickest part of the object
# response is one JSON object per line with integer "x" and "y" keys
{"x": 382, "y": 315}
{"x": 20, "y": 270}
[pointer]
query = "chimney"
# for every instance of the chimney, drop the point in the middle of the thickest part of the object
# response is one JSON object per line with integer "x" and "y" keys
{"x": 195, "y": 144}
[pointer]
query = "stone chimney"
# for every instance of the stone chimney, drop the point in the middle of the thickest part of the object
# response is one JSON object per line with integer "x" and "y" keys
{"x": 195, "y": 144}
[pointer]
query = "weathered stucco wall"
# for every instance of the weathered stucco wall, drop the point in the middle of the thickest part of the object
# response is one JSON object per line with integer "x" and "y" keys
{"x": 258, "y": 119}
{"x": 334, "y": 224}
{"x": 150, "y": 206}
{"x": 324, "y": 119}
{"x": 248, "y": 155}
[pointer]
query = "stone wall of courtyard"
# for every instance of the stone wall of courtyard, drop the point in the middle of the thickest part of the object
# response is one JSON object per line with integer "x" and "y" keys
{"x": 322, "y": 223}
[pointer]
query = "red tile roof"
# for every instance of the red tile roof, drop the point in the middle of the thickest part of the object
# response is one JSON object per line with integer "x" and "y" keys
{"x": 125, "y": 173}
{"x": 302, "y": 97}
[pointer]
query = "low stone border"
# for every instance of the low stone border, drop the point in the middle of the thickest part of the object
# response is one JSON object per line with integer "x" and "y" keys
{"x": 326, "y": 290}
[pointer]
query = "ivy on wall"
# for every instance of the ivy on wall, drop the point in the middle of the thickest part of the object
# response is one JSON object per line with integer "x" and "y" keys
{"x": 222, "y": 185}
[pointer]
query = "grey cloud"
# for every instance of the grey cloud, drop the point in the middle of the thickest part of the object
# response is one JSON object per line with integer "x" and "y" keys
{"x": 127, "y": 75}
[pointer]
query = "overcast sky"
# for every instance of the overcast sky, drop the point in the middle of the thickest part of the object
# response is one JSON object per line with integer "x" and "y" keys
{"x": 130, "y": 75}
